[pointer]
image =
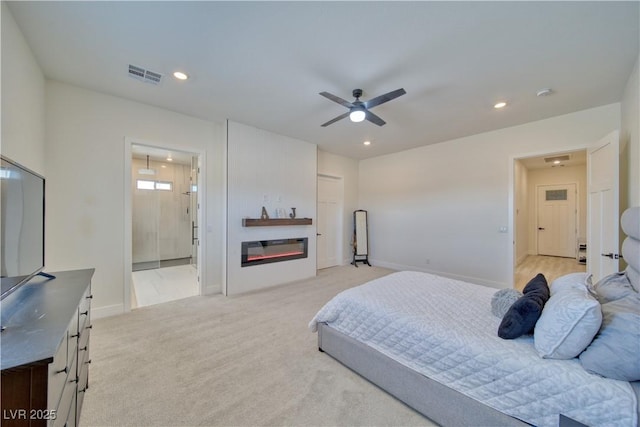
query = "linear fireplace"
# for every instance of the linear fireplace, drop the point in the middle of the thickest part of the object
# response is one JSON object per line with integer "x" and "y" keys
{"x": 267, "y": 251}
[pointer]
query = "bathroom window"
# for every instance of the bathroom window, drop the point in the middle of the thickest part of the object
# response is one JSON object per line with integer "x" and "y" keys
{"x": 164, "y": 185}
{"x": 145, "y": 184}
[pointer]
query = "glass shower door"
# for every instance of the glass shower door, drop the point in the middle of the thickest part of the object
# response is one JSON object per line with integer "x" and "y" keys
{"x": 194, "y": 210}
{"x": 146, "y": 216}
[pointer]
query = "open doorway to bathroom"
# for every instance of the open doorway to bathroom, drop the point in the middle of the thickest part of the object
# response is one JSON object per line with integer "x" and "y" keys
{"x": 164, "y": 225}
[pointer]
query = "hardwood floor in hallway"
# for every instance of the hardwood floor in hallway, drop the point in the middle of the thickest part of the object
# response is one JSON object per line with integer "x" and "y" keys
{"x": 552, "y": 267}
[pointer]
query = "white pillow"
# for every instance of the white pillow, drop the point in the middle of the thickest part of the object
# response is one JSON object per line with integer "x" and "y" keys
{"x": 571, "y": 280}
{"x": 569, "y": 321}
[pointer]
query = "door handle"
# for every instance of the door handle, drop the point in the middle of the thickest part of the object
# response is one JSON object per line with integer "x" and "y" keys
{"x": 541, "y": 228}
{"x": 612, "y": 255}
{"x": 194, "y": 238}
{"x": 318, "y": 234}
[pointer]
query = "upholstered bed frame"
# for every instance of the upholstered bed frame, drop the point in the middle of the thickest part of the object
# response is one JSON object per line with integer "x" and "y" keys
{"x": 442, "y": 404}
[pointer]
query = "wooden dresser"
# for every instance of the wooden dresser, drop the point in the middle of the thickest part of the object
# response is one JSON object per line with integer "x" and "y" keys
{"x": 44, "y": 350}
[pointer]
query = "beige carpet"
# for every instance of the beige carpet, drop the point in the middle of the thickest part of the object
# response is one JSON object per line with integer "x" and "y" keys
{"x": 248, "y": 360}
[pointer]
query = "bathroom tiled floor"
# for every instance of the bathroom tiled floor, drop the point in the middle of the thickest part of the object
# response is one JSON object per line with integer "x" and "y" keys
{"x": 164, "y": 284}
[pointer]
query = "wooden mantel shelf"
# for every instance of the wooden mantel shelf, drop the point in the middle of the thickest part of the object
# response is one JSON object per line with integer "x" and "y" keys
{"x": 257, "y": 222}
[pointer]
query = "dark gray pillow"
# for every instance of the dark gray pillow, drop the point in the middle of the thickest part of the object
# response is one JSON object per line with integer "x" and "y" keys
{"x": 522, "y": 316}
{"x": 615, "y": 351}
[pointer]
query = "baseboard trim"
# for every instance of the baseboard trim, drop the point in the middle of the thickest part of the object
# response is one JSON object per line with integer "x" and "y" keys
{"x": 403, "y": 267}
{"x": 107, "y": 311}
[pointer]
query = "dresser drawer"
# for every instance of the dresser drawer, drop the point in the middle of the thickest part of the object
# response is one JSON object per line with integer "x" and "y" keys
{"x": 83, "y": 384}
{"x": 73, "y": 338}
{"x": 59, "y": 369}
{"x": 84, "y": 310}
{"x": 68, "y": 399}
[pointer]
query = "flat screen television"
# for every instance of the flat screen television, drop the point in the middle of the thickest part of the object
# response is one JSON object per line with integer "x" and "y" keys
{"x": 22, "y": 225}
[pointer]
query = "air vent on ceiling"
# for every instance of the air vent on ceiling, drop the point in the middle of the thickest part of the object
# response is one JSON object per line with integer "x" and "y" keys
{"x": 147, "y": 76}
{"x": 562, "y": 158}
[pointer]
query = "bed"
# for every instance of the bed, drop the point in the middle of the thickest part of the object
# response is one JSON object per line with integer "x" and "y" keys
{"x": 431, "y": 342}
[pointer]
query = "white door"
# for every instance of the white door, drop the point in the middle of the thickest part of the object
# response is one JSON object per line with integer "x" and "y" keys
{"x": 329, "y": 223}
{"x": 602, "y": 207}
{"x": 557, "y": 220}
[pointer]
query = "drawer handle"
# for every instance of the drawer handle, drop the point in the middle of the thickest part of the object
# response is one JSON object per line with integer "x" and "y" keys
{"x": 82, "y": 390}
{"x": 90, "y": 296}
{"x": 75, "y": 380}
{"x": 65, "y": 370}
{"x": 84, "y": 313}
{"x": 87, "y": 362}
{"x": 76, "y": 335}
{"x": 84, "y": 348}
{"x": 90, "y": 327}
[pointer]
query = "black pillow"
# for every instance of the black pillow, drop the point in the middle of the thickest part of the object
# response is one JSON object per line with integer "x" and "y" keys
{"x": 522, "y": 316}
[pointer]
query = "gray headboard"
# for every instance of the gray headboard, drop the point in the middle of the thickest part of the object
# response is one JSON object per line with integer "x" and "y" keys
{"x": 630, "y": 223}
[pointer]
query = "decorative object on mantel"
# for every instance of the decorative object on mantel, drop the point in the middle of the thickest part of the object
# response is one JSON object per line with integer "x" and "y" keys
{"x": 264, "y": 215}
{"x": 293, "y": 213}
{"x": 258, "y": 222}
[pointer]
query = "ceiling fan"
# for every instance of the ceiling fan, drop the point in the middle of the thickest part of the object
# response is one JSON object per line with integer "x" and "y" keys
{"x": 359, "y": 110}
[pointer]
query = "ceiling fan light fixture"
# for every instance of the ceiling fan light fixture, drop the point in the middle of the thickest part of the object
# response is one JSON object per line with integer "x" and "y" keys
{"x": 357, "y": 115}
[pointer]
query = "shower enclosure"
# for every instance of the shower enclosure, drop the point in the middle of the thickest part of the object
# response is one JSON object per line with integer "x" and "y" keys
{"x": 164, "y": 208}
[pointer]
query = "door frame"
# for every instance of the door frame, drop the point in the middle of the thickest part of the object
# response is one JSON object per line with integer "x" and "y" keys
{"x": 128, "y": 212}
{"x": 575, "y": 213}
{"x": 511, "y": 259}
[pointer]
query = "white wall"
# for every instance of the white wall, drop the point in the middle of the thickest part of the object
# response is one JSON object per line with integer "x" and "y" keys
{"x": 630, "y": 142}
{"x": 347, "y": 169}
{"x": 439, "y": 208}
{"x": 553, "y": 176}
{"x": 23, "y": 95}
{"x": 274, "y": 171}
{"x": 85, "y": 154}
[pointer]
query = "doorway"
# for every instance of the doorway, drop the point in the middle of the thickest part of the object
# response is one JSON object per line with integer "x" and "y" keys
{"x": 164, "y": 225}
{"x": 549, "y": 214}
{"x": 330, "y": 221}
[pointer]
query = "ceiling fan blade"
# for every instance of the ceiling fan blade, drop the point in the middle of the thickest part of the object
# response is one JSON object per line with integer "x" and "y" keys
{"x": 374, "y": 119}
{"x": 337, "y": 99}
{"x": 340, "y": 117}
{"x": 384, "y": 98}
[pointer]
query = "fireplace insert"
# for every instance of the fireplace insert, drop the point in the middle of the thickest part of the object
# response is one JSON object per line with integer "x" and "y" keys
{"x": 268, "y": 251}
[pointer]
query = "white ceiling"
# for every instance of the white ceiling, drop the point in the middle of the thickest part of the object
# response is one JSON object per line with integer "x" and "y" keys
{"x": 264, "y": 63}
{"x": 160, "y": 154}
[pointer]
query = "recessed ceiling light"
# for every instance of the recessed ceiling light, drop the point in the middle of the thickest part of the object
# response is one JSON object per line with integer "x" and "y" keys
{"x": 180, "y": 75}
{"x": 367, "y": 143}
{"x": 499, "y": 105}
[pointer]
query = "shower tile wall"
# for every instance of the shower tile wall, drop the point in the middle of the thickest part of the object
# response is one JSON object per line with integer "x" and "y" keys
{"x": 161, "y": 225}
